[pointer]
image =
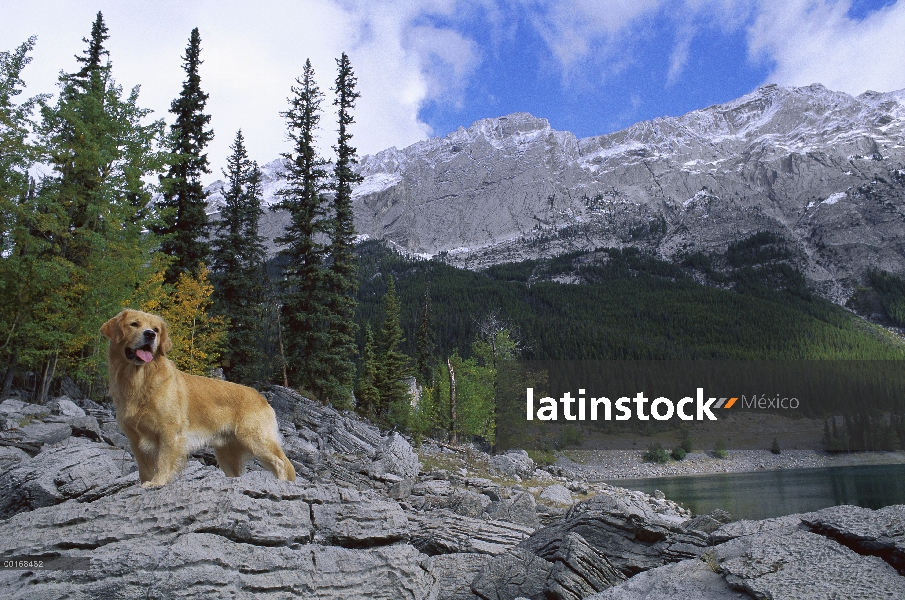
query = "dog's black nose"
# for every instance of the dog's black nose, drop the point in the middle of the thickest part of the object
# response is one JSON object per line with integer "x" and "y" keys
{"x": 150, "y": 334}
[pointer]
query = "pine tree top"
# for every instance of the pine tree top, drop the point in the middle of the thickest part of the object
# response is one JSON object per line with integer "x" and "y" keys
{"x": 92, "y": 74}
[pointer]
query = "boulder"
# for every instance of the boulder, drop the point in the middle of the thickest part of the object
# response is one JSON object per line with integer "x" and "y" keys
{"x": 58, "y": 474}
{"x": 875, "y": 532}
{"x": 16, "y": 409}
{"x": 685, "y": 580}
{"x": 327, "y": 430}
{"x": 556, "y": 494}
{"x": 455, "y": 573}
{"x": 467, "y": 503}
{"x": 440, "y": 531}
{"x": 515, "y": 574}
{"x": 636, "y": 532}
{"x": 359, "y": 521}
{"x": 521, "y": 508}
{"x": 800, "y": 564}
{"x": 579, "y": 570}
{"x": 41, "y": 433}
{"x": 65, "y": 407}
{"x": 10, "y": 456}
{"x": 395, "y": 456}
{"x": 513, "y": 463}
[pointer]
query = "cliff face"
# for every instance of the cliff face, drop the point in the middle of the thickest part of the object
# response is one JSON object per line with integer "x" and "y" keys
{"x": 824, "y": 169}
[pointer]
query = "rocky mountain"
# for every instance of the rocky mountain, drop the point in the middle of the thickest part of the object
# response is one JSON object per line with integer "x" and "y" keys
{"x": 823, "y": 169}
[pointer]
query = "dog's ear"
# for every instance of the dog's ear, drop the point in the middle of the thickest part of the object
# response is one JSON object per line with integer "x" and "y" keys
{"x": 111, "y": 328}
{"x": 165, "y": 342}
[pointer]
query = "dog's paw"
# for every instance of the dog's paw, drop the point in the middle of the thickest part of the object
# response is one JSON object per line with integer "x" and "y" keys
{"x": 153, "y": 484}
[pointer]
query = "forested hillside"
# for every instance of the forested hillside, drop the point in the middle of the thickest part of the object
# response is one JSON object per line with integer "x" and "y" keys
{"x": 625, "y": 305}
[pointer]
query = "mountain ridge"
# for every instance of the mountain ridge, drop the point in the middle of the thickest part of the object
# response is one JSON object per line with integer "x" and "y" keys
{"x": 824, "y": 169}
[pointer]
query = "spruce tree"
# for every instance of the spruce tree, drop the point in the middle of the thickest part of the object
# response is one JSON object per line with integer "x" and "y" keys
{"x": 366, "y": 393}
{"x": 392, "y": 364}
{"x": 425, "y": 344}
{"x": 184, "y": 199}
{"x": 303, "y": 310}
{"x": 237, "y": 261}
{"x": 341, "y": 281}
{"x": 91, "y": 215}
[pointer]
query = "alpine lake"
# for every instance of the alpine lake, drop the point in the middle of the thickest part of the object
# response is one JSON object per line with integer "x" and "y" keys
{"x": 774, "y": 493}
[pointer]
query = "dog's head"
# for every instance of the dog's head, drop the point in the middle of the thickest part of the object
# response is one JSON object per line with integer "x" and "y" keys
{"x": 138, "y": 335}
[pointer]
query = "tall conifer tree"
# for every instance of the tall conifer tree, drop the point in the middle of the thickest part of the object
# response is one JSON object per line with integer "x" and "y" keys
{"x": 392, "y": 364}
{"x": 91, "y": 214}
{"x": 424, "y": 345}
{"x": 341, "y": 280}
{"x": 237, "y": 261}
{"x": 303, "y": 309}
{"x": 184, "y": 197}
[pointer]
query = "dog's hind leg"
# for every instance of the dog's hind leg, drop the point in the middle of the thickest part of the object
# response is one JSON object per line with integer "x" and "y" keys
{"x": 270, "y": 454}
{"x": 231, "y": 458}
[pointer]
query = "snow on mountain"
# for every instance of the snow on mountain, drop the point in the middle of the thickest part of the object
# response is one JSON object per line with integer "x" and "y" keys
{"x": 823, "y": 168}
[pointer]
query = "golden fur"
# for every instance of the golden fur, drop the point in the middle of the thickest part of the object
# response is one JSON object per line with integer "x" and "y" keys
{"x": 166, "y": 414}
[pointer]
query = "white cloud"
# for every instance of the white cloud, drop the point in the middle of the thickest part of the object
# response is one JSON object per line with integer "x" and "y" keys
{"x": 252, "y": 54}
{"x": 578, "y": 30}
{"x": 815, "y": 41}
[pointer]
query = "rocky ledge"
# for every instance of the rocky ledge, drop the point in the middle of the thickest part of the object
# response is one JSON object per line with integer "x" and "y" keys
{"x": 369, "y": 517}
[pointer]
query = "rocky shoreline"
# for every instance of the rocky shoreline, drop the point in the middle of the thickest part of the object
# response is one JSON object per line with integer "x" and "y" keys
{"x": 371, "y": 517}
{"x": 604, "y": 465}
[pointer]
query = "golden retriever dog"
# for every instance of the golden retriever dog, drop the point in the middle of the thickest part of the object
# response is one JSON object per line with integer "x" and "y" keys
{"x": 166, "y": 414}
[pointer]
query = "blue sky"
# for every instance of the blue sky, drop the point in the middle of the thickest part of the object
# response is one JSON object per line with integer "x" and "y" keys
{"x": 427, "y": 67}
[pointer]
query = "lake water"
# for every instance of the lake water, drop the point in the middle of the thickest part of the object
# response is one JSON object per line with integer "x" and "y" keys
{"x": 765, "y": 494}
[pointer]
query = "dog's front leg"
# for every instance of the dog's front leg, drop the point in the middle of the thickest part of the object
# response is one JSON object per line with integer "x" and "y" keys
{"x": 144, "y": 453}
{"x": 171, "y": 453}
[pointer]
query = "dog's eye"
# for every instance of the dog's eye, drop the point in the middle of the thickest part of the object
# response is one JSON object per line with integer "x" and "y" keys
{"x": 157, "y": 330}
{"x": 135, "y": 324}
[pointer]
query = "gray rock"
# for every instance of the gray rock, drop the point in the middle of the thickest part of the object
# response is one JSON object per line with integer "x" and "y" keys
{"x": 85, "y": 426}
{"x": 512, "y": 463}
{"x": 401, "y": 489}
{"x": 685, "y": 580}
{"x": 11, "y": 456}
{"x": 207, "y": 565}
{"x": 467, "y": 503}
{"x": 359, "y": 521}
{"x": 455, "y": 573}
{"x": 556, "y": 494}
{"x": 520, "y": 508}
{"x": 327, "y": 430}
{"x": 874, "y": 532}
{"x": 58, "y": 474}
{"x": 395, "y": 456}
{"x": 579, "y": 571}
{"x": 742, "y": 528}
{"x": 799, "y": 564}
{"x": 16, "y": 409}
{"x": 432, "y": 487}
{"x": 254, "y": 508}
{"x": 633, "y": 530}
{"x": 443, "y": 532}
{"x": 70, "y": 389}
{"x": 43, "y": 433}
{"x": 708, "y": 523}
{"x": 65, "y": 407}
{"x": 517, "y": 573}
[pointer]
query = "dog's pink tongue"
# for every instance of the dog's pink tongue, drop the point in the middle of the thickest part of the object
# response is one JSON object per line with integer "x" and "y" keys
{"x": 144, "y": 355}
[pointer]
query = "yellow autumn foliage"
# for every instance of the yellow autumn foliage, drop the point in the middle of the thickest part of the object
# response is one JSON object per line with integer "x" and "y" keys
{"x": 197, "y": 336}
